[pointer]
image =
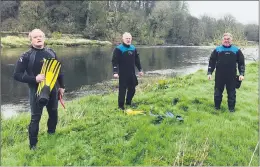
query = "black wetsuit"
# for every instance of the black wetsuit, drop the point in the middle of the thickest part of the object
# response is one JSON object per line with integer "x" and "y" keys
{"x": 226, "y": 60}
{"x": 26, "y": 72}
{"x": 125, "y": 58}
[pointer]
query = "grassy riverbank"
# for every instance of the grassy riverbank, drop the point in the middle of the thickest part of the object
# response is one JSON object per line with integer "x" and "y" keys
{"x": 91, "y": 131}
{"x": 16, "y": 42}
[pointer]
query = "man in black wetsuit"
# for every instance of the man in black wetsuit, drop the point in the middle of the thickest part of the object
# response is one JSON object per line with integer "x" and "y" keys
{"x": 226, "y": 58}
{"x": 125, "y": 58}
{"x": 27, "y": 70}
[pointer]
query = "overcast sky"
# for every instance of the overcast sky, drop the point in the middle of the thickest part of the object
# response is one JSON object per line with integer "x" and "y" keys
{"x": 245, "y": 12}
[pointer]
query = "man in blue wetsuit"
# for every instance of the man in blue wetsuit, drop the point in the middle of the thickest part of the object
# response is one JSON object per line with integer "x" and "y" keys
{"x": 125, "y": 58}
{"x": 226, "y": 58}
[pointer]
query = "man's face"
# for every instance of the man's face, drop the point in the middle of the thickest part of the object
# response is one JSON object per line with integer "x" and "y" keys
{"x": 127, "y": 39}
{"x": 226, "y": 40}
{"x": 37, "y": 39}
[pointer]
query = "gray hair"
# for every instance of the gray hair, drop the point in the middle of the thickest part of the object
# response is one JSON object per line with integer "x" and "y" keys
{"x": 30, "y": 33}
{"x": 125, "y": 34}
{"x": 227, "y": 34}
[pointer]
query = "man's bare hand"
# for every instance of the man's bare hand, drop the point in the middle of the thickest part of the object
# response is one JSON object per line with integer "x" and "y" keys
{"x": 209, "y": 77}
{"x": 241, "y": 78}
{"x": 61, "y": 91}
{"x": 141, "y": 73}
{"x": 40, "y": 78}
{"x": 116, "y": 76}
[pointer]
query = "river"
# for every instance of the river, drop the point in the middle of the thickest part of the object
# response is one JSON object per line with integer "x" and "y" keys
{"x": 90, "y": 65}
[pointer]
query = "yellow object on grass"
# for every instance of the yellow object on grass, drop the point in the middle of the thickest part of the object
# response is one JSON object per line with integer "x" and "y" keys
{"x": 134, "y": 112}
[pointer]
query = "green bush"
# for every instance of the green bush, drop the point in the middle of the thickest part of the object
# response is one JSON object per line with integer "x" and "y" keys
{"x": 56, "y": 35}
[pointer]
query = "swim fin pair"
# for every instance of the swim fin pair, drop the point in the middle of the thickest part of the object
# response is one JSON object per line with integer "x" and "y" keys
{"x": 51, "y": 70}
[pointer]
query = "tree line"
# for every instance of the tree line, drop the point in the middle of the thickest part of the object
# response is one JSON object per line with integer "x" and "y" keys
{"x": 150, "y": 22}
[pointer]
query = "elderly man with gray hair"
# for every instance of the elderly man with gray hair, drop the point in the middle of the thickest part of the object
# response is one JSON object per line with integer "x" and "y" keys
{"x": 28, "y": 70}
{"x": 125, "y": 58}
{"x": 226, "y": 58}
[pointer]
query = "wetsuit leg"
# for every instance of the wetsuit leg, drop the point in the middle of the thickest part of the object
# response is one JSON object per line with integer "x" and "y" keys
{"x": 121, "y": 96}
{"x": 130, "y": 94}
{"x": 52, "y": 109}
{"x": 218, "y": 92}
{"x": 231, "y": 91}
{"x": 36, "y": 113}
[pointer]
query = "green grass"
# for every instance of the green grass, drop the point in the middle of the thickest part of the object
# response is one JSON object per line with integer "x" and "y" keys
{"x": 92, "y": 132}
{"x": 16, "y": 42}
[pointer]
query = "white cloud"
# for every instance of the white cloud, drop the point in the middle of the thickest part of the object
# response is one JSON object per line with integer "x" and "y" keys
{"x": 245, "y": 12}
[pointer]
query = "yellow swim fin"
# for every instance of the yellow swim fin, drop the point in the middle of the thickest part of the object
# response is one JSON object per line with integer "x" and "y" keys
{"x": 52, "y": 73}
{"x": 55, "y": 73}
{"x": 134, "y": 112}
{"x": 51, "y": 70}
{"x": 41, "y": 84}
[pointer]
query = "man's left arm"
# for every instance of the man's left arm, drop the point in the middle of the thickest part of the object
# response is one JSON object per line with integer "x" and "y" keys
{"x": 60, "y": 77}
{"x": 241, "y": 63}
{"x": 137, "y": 61}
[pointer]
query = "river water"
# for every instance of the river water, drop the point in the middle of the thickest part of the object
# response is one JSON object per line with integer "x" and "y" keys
{"x": 90, "y": 65}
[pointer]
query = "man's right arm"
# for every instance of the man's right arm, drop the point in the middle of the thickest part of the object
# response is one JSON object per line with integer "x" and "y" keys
{"x": 212, "y": 62}
{"x": 19, "y": 71}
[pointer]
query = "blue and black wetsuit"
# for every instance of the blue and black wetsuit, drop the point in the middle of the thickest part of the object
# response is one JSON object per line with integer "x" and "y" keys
{"x": 226, "y": 60}
{"x": 125, "y": 58}
{"x": 26, "y": 70}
